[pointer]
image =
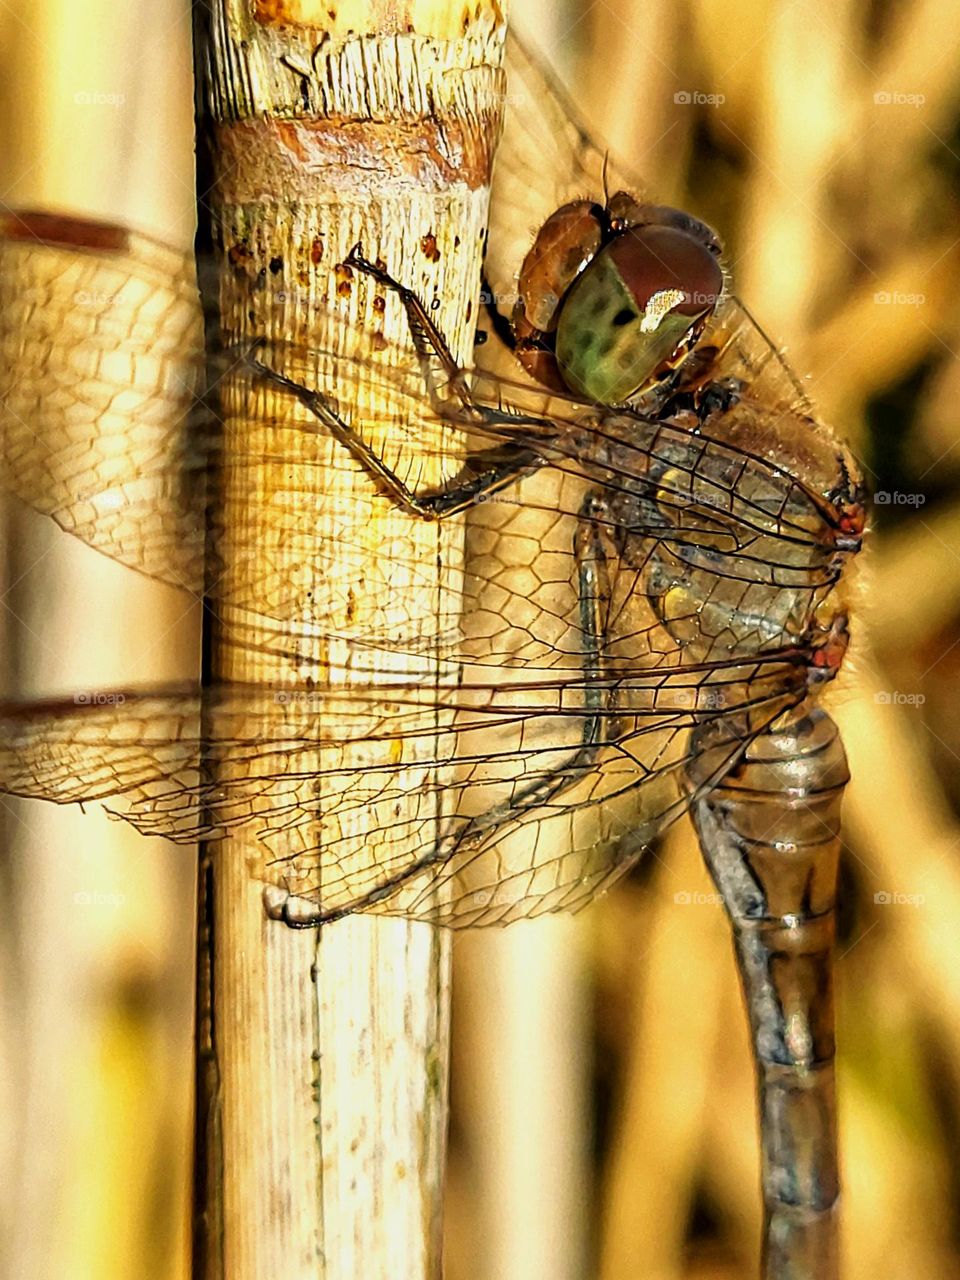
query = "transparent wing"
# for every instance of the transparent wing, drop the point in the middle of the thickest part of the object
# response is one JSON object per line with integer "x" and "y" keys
{"x": 104, "y": 430}
{"x": 101, "y": 367}
{"x": 745, "y": 351}
{"x": 315, "y": 778}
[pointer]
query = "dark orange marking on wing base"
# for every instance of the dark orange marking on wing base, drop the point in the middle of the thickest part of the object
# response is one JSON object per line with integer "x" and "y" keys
{"x": 64, "y": 229}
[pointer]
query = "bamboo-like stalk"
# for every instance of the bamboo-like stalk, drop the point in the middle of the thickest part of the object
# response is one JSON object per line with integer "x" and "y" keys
{"x": 521, "y": 1079}
{"x": 322, "y": 1113}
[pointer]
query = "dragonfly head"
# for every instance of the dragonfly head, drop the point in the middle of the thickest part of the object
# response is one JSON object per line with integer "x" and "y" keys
{"x": 613, "y": 296}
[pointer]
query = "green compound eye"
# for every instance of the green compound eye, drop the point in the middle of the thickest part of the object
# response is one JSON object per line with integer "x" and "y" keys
{"x": 633, "y": 309}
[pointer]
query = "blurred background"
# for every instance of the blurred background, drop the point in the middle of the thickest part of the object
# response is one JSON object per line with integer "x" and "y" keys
{"x": 603, "y": 1108}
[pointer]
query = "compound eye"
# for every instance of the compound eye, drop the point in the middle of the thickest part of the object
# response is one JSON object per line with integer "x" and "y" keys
{"x": 635, "y": 309}
{"x": 659, "y": 262}
{"x": 565, "y": 244}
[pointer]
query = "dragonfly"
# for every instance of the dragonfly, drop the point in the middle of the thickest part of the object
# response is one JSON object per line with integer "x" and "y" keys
{"x": 651, "y": 601}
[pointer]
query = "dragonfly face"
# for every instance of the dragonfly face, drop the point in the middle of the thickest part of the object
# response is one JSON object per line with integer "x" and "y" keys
{"x": 612, "y": 296}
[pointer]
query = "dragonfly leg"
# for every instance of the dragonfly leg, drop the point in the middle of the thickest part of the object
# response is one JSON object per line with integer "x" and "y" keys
{"x": 598, "y": 690}
{"x": 598, "y": 716}
{"x": 430, "y": 344}
{"x": 482, "y": 474}
{"x": 434, "y": 353}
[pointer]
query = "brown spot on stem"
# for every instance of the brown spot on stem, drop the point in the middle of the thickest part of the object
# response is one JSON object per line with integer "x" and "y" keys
{"x": 239, "y": 254}
{"x": 428, "y": 244}
{"x": 316, "y": 250}
{"x": 344, "y": 277}
{"x": 278, "y": 13}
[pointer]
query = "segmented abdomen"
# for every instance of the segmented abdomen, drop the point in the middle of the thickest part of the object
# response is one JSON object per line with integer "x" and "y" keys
{"x": 770, "y": 834}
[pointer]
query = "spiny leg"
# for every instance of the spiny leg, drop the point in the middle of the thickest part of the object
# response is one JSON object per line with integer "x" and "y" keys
{"x": 599, "y": 714}
{"x": 431, "y": 345}
{"x": 428, "y": 341}
{"x": 484, "y": 472}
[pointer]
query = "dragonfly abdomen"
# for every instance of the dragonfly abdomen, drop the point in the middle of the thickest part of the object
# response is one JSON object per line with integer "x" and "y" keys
{"x": 771, "y": 827}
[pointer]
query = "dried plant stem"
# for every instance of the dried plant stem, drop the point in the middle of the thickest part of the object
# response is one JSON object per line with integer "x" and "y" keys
{"x": 324, "y": 1056}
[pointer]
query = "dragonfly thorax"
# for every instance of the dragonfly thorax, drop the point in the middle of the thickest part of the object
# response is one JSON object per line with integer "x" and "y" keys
{"x": 737, "y": 556}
